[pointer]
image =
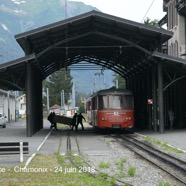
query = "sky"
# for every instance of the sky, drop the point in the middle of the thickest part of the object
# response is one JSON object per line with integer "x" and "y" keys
{"x": 134, "y": 10}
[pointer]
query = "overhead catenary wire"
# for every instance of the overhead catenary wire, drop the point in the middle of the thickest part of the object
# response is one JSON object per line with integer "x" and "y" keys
{"x": 147, "y": 11}
{"x": 143, "y": 18}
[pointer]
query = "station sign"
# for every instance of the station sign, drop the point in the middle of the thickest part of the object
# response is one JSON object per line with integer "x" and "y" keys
{"x": 150, "y": 101}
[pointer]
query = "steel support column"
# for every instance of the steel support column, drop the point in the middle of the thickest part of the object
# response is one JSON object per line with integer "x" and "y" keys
{"x": 34, "y": 101}
{"x": 160, "y": 98}
{"x": 148, "y": 94}
{"x": 38, "y": 105}
{"x": 127, "y": 83}
{"x": 154, "y": 97}
{"x": 29, "y": 100}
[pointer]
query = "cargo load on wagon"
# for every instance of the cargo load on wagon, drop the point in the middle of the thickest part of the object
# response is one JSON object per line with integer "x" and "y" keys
{"x": 62, "y": 119}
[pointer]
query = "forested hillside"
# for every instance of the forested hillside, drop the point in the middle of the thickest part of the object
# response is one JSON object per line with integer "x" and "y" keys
{"x": 17, "y": 16}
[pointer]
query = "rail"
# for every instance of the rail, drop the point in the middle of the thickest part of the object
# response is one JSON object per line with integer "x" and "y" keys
{"x": 173, "y": 166}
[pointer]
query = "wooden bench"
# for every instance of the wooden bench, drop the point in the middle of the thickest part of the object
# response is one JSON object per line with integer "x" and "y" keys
{"x": 11, "y": 148}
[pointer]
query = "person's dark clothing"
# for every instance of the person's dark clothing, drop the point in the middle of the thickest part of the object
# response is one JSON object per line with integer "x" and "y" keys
{"x": 50, "y": 118}
{"x": 74, "y": 120}
{"x": 80, "y": 121}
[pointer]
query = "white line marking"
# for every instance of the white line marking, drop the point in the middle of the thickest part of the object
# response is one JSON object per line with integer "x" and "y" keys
{"x": 44, "y": 141}
{"x": 33, "y": 155}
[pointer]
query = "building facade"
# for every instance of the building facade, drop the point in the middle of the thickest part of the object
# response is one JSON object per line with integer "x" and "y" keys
{"x": 174, "y": 98}
{"x": 176, "y": 22}
{"x": 21, "y": 105}
{"x": 7, "y": 105}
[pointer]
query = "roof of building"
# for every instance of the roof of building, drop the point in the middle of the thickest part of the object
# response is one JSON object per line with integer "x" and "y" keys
{"x": 55, "y": 107}
{"x": 115, "y": 43}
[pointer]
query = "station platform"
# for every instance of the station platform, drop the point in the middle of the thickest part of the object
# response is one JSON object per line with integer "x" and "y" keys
{"x": 16, "y": 132}
{"x": 175, "y": 137}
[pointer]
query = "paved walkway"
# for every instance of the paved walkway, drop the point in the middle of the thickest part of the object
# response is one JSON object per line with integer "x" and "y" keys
{"x": 16, "y": 132}
{"x": 176, "y": 138}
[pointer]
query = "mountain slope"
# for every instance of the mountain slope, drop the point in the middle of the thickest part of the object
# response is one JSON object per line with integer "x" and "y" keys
{"x": 18, "y": 16}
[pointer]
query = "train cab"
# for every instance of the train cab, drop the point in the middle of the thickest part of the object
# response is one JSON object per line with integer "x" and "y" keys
{"x": 111, "y": 108}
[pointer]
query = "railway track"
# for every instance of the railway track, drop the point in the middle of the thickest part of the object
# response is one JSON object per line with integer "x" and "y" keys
{"x": 86, "y": 167}
{"x": 173, "y": 166}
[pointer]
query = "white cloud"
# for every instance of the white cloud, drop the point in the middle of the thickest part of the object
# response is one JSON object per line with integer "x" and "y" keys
{"x": 18, "y": 1}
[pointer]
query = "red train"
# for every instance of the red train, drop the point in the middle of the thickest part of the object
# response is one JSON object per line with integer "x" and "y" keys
{"x": 111, "y": 108}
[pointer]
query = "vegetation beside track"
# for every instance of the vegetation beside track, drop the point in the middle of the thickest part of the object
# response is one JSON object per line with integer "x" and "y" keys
{"x": 165, "y": 146}
{"x": 47, "y": 170}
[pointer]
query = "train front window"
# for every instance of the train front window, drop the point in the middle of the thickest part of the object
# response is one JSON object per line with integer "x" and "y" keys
{"x": 102, "y": 102}
{"x": 128, "y": 102}
{"x": 94, "y": 103}
{"x": 115, "y": 102}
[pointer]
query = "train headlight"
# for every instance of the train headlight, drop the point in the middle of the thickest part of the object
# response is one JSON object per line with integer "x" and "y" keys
{"x": 103, "y": 119}
{"x": 128, "y": 118}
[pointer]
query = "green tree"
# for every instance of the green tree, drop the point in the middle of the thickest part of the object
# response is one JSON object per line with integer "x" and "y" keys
{"x": 81, "y": 101}
{"x": 121, "y": 81}
{"x": 58, "y": 81}
{"x": 154, "y": 22}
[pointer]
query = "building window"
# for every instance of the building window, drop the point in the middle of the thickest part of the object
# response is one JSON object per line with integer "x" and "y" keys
{"x": 176, "y": 48}
{"x": 169, "y": 17}
{"x": 176, "y": 14}
{"x": 171, "y": 49}
{"x": 172, "y": 16}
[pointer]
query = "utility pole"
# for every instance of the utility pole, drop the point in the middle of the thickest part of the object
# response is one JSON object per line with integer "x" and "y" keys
{"x": 116, "y": 83}
{"x": 94, "y": 89}
{"x": 48, "y": 100}
{"x": 8, "y": 95}
{"x": 16, "y": 107}
{"x": 70, "y": 101}
{"x": 62, "y": 99}
{"x": 99, "y": 74}
{"x": 84, "y": 101}
{"x": 73, "y": 96}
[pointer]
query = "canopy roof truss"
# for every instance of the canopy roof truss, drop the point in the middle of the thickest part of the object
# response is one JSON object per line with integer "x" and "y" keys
{"x": 114, "y": 43}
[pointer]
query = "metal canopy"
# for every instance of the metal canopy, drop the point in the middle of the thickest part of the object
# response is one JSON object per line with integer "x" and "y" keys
{"x": 126, "y": 47}
{"x": 171, "y": 63}
{"x": 118, "y": 44}
{"x": 12, "y": 74}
